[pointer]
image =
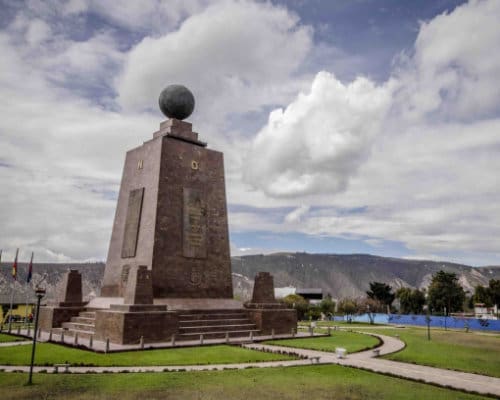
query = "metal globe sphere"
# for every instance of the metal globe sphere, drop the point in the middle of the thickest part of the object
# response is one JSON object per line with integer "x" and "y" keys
{"x": 176, "y": 101}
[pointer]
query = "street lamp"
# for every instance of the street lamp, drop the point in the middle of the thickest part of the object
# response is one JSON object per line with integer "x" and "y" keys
{"x": 39, "y": 292}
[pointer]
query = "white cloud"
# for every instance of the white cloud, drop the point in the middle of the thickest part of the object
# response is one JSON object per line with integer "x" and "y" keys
{"x": 453, "y": 71}
{"x": 318, "y": 142}
{"x": 234, "y": 56}
{"x": 417, "y": 156}
{"x": 430, "y": 180}
{"x": 37, "y": 32}
{"x": 297, "y": 214}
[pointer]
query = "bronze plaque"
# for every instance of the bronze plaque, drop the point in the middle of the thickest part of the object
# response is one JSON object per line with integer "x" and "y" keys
{"x": 132, "y": 223}
{"x": 194, "y": 224}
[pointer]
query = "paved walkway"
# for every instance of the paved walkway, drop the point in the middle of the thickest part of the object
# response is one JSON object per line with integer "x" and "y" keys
{"x": 364, "y": 360}
{"x": 18, "y": 343}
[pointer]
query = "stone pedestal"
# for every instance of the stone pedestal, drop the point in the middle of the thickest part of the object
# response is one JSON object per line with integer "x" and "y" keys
{"x": 138, "y": 317}
{"x": 70, "y": 304}
{"x": 265, "y": 312}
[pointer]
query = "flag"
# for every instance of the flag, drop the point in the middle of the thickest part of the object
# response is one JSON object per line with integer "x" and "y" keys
{"x": 30, "y": 269}
{"x": 14, "y": 267}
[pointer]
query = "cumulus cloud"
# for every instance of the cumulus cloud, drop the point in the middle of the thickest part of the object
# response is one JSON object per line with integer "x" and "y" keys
{"x": 234, "y": 56}
{"x": 420, "y": 167}
{"x": 319, "y": 140}
{"x": 415, "y": 157}
{"x": 297, "y": 214}
{"x": 451, "y": 72}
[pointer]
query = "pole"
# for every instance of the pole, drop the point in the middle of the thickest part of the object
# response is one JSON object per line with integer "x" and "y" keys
{"x": 26, "y": 311}
{"x": 10, "y": 307}
{"x": 14, "y": 275}
{"x": 445, "y": 318}
{"x": 39, "y": 295}
{"x": 428, "y": 324}
{"x": 28, "y": 279}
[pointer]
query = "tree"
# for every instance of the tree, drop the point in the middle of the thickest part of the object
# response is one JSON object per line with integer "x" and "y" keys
{"x": 411, "y": 301}
{"x": 327, "y": 306}
{"x": 348, "y": 307}
{"x": 445, "y": 291}
{"x": 382, "y": 292}
{"x": 482, "y": 295}
{"x": 298, "y": 303}
{"x": 494, "y": 289}
{"x": 370, "y": 307}
{"x": 313, "y": 313}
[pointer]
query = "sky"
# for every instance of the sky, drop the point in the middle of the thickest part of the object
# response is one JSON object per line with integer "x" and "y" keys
{"x": 361, "y": 126}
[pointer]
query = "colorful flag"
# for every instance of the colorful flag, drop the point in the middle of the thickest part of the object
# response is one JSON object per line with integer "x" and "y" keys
{"x": 30, "y": 269}
{"x": 14, "y": 267}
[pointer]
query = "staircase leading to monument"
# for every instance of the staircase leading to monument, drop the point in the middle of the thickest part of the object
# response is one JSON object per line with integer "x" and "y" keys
{"x": 84, "y": 325}
{"x": 214, "y": 324}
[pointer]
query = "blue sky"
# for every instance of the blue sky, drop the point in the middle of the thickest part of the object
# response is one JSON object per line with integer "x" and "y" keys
{"x": 347, "y": 126}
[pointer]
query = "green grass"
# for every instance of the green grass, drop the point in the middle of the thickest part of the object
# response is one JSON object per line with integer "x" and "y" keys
{"x": 10, "y": 338}
{"x": 49, "y": 354}
{"x": 330, "y": 382}
{"x": 450, "y": 349}
{"x": 350, "y": 341}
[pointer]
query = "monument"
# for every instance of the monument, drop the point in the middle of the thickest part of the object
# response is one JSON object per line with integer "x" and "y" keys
{"x": 168, "y": 270}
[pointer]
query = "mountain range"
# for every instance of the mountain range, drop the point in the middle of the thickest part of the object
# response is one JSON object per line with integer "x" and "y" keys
{"x": 339, "y": 275}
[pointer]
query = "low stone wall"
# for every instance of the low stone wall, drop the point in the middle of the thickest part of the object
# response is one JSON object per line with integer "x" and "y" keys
{"x": 127, "y": 327}
{"x": 281, "y": 320}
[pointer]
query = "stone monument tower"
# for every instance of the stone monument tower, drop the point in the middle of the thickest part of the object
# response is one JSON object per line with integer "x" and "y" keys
{"x": 171, "y": 214}
{"x": 168, "y": 272}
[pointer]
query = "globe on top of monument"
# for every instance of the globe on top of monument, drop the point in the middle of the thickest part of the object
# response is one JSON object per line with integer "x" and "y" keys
{"x": 176, "y": 101}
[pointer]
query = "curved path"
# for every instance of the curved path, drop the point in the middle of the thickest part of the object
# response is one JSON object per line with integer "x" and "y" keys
{"x": 367, "y": 360}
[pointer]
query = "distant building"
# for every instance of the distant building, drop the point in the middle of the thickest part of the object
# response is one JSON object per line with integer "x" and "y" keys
{"x": 483, "y": 312}
{"x": 313, "y": 295}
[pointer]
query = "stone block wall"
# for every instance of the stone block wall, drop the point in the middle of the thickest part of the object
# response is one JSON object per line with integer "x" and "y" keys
{"x": 281, "y": 320}
{"x": 53, "y": 317}
{"x": 124, "y": 327}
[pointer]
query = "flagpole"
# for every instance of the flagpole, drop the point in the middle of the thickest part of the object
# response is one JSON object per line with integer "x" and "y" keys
{"x": 14, "y": 275}
{"x": 28, "y": 279}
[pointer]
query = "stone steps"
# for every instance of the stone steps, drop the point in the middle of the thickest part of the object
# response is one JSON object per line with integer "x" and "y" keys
{"x": 83, "y": 320}
{"x": 213, "y": 322}
{"x": 79, "y": 326}
{"x": 217, "y": 335}
{"x": 217, "y": 328}
{"x": 84, "y": 325}
{"x": 206, "y": 316}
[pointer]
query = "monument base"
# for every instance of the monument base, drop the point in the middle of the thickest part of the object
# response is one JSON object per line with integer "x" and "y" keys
{"x": 126, "y": 324}
{"x": 54, "y": 316}
{"x": 281, "y": 320}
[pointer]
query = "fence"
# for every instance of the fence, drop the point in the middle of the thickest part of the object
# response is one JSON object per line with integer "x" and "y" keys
{"x": 435, "y": 321}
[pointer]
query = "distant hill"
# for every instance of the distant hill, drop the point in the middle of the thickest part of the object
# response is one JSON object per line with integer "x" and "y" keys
{"x": 52, "y": 275}
{"x": 340, "y": 275}
{"x": 350, "y": 275}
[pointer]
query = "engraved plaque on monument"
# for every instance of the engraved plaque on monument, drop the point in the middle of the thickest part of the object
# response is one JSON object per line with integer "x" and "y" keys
{"x": 132, "y": 222}
{"x": 194, "y": 224}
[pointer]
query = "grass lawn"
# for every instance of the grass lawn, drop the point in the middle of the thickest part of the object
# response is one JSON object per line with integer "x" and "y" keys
{"x": 449, "y": 349}
{"x": 350, "y": 341}
{"x": 9, "y": 338}
{"x": 49, "y": 354}
{"x": 313, "y": 382}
